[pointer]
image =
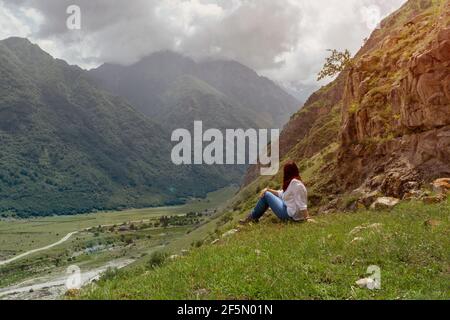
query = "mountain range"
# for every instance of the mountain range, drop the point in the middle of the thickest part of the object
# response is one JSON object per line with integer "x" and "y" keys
{"x": 167, "y": 85}
{"x": 75, "y": 141}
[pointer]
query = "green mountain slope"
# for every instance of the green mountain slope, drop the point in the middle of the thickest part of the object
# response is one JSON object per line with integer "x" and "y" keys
{"x": 147, "y": 83}
{"x": 190, "y": 99}
{"x": 68, "y": 147}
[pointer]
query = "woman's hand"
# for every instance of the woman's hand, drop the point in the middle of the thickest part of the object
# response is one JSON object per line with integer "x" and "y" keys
{"x": 263, "y": 193}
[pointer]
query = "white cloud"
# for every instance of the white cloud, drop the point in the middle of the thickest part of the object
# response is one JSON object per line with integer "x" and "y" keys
{"x": 284, "y": 39}
{"x": 10, "y": 24}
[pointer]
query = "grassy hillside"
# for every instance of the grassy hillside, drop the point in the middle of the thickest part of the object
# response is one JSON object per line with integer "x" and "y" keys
{"x": 272, "y": 260}
{"x": 323, "y": 260}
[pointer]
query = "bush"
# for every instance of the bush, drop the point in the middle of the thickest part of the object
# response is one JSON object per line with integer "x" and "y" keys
{"x": 156, "y": 259}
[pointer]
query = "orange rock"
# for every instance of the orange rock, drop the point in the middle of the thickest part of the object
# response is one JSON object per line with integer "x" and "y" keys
{"x": 441, "y": 185}
{"x": 433, "y": 199}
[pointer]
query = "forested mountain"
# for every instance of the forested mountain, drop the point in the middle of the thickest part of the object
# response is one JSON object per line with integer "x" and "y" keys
{"x": 69, "y": 147}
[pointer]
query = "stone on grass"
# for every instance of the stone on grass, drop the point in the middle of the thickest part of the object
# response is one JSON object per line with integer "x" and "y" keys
{"x": 374, "y": 226}
{"x": 368, "y": 283}
{"x": 229, "y": 233}
{"x": 383, "y": 203}
{"x": 432, "y": 223}
{"x": 357, "y": 239}
{"x": 201, "y": 292}
{"x": 215, "y": 241}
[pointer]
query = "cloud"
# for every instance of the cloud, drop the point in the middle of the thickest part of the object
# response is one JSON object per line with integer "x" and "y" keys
{"x": 284, "y": 39}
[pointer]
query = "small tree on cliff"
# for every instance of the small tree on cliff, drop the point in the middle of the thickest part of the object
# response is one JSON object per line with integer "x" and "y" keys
{"x": 335, "y": 63}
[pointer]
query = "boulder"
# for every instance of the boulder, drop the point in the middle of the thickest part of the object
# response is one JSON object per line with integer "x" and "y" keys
{"x": 384, "y": 203}
{"x": 414, "y": 195}
{"x": 369, "y": 198}
{"x": 441, "y": 185}
{"x": 434, "y": 199}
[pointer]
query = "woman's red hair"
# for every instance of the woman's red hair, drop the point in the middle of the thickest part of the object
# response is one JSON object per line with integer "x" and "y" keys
{"x": 291, "y": 172}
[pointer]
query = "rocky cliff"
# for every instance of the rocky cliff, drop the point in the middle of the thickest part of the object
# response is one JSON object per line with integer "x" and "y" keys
{"x": 396, "y": 104}
{"x": 384, "y": 123}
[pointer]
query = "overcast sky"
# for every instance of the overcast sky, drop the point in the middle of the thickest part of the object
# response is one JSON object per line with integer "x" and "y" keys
{"x": 285, "y": 40}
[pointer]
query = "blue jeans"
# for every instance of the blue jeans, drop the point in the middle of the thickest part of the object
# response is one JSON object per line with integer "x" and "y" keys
{"x": 273, "y": 202}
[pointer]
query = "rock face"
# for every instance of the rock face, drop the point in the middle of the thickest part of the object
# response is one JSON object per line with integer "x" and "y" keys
{"x": 384, "y": 124}
{"x": 396, "y": 106}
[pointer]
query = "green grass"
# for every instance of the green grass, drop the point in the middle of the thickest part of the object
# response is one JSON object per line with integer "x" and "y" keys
{"x": 273, "y": 260}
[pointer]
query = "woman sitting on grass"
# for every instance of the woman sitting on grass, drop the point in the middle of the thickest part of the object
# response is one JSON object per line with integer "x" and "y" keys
{"x": 289, "y": 204}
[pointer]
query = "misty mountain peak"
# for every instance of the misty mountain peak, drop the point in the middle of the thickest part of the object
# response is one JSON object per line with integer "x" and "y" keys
{"x": 147, "y": 83}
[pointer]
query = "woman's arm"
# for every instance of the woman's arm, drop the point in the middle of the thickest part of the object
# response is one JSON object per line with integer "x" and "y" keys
{"x": 274, "y": 192}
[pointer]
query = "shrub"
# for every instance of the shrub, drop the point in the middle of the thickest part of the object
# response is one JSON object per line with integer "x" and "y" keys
{"x": 156, "y": 259}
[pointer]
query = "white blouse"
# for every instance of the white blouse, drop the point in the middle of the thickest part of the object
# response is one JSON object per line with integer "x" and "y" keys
{"x": 295, "y": 197}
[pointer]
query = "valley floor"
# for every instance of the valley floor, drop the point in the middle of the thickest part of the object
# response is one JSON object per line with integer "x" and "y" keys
{"x": 323, "y": 260}
{"x": 35, "y": 253}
